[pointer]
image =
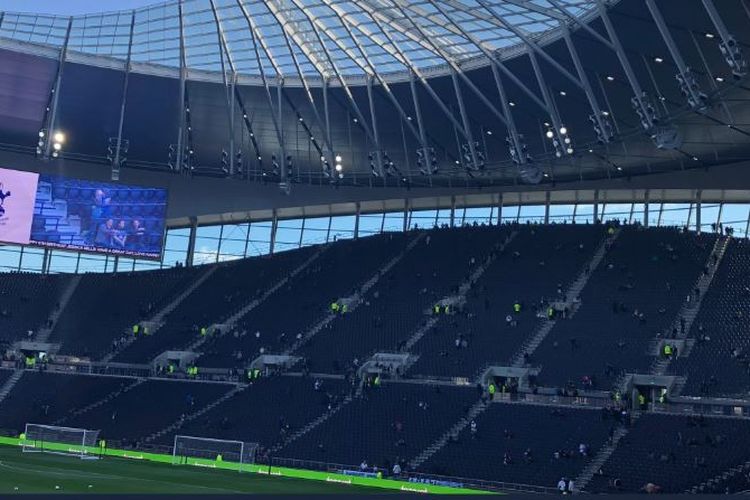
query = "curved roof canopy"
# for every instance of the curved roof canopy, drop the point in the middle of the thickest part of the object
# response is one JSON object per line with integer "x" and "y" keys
{"x": 308, "y": 38}
{"x": 392, "y": 93}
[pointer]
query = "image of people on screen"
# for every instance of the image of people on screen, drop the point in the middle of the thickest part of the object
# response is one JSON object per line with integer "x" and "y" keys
{"x": 99, "y": 217}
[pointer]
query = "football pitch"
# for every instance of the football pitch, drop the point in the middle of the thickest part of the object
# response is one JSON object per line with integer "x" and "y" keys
{"x": 48, "y": 473}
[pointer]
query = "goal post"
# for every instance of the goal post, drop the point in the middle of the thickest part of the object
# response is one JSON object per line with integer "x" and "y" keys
{"x": 72, "y": 441}
{"x": 212, "y": 452}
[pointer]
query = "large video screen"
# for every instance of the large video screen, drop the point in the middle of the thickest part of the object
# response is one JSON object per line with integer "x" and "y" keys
{"x": 80, "y": 215}
{"x": 99, "y": 217}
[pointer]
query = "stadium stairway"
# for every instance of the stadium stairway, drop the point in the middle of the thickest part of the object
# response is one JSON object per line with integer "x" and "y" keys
{"x": 44, "y": 333}
{"x": 10, "y": 383}
{"x": 312, "y": 425}
{"x": 157, "y": 320}
{"x": 476, "y": 409}
{"x": 228, "y": 323}
{"x": 689, "y": 311}
{"x": 463, "y": 290}
{"x": 572, "y": 293}
{"x": 362, "y": 291}
{"x": 197, "y": 414}
{"x": 109, "y": 397}
{"x": 601, "y": 457}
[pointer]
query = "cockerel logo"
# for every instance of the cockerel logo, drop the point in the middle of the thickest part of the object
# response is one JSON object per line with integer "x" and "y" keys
{"x": 3, "y": 195}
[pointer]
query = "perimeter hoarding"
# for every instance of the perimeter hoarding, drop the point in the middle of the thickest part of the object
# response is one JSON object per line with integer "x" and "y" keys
{"x": 80, "y": 215}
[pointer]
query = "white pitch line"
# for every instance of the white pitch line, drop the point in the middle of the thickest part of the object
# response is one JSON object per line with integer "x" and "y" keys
{"x": 54, "y": 472}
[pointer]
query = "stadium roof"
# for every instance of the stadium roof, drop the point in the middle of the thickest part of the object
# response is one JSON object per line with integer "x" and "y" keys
{"x": 321, "y": 38}
{"x": 408, "y": 93}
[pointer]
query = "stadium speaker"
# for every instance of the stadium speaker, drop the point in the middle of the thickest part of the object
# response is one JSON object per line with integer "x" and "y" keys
{"x": 667, "y": 138}
{"x": 530, "y": 173}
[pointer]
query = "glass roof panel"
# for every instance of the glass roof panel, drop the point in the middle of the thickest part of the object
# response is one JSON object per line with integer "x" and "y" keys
{"x": 329, "y": 37}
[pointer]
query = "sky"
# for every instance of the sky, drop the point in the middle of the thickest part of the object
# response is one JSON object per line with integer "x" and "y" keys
{"x": 70, "y": 7}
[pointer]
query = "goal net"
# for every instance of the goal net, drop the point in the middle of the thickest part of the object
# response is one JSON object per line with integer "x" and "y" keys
{"x": 210, "y": 452}
{"x": 61, "y": 440}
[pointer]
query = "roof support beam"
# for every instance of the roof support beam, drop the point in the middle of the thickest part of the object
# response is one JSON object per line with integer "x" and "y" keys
{"x": 379, "y": 8}
{"x": 554, "y": 116}
{"x": 296, "y": 34}
{"x": 327, "y": 117}
{"x": 624, "y": 62}
{"x": 717, "y": 21}
{"x": 536, "y": 8}
{"x": 56, "y": 90}
{"x": 373, "y": 117}
{"x": 507, "y": 116}
{"x": 183, "y": 84}
{"x": 597, "y": 111}
{"x": 280, "y": 129}
{"x": 415, "y": 71}
{"x": 273, "y": 11}
{"x": 255, "y": 37}
{"x": 373, "y": 70}
{"x": 339, "y": 76}
{"x": 123, "y": 103}
{"x": 574, "y": 20}
{"x": 229, "y": 83}
{"x": 500, "y": 22}
{"x": 674, "y": 51}
{"x": 456, "y": 71}
{"x": 512, "y": 129}
{"x": 426, "y": 157}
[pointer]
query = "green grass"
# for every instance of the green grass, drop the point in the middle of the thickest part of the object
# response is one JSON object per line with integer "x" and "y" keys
{"x": 49, "y": 473}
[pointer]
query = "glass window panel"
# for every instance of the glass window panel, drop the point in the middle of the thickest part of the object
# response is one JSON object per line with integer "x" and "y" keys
{"x": 480, "y": 215}
{"x": 444, "y": 216}
{"x": 260, "y": 238}
{"x": 91, "y": 263}
{"x": 510, "y": 213}
{"x": 207, "y": 244}
{"x": 617, "y": 211}
{"x": 394, "y": 221}
{"x": 422, "y": 219}
{"x": 32, "y": 259}
{"x": 735, "y": 215}
{"x": 584, "y": 214}
{"x": 62, "y": 262}
{"x": 145, "y": 265}
{"x": 233, "y": 242}
{"x": 675, "y": 214}
{"x": 709, "y": 214}
{"x": 176, "y": 246}
{"x": 342, "y": 227}
{"x": 125, "y": 265}
{"x": 532, "y": 213}
{"x": 10, "y": 257}
{"x": 638, "y": 209}
{"x": 316, "y": 230}
{"x": 561, "y": 213}
{"x": 288, "y": 235}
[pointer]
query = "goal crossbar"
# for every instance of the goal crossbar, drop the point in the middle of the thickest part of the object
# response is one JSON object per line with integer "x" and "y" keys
{"x": 72, "y": 441}
{"x": 212, "y": 452}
